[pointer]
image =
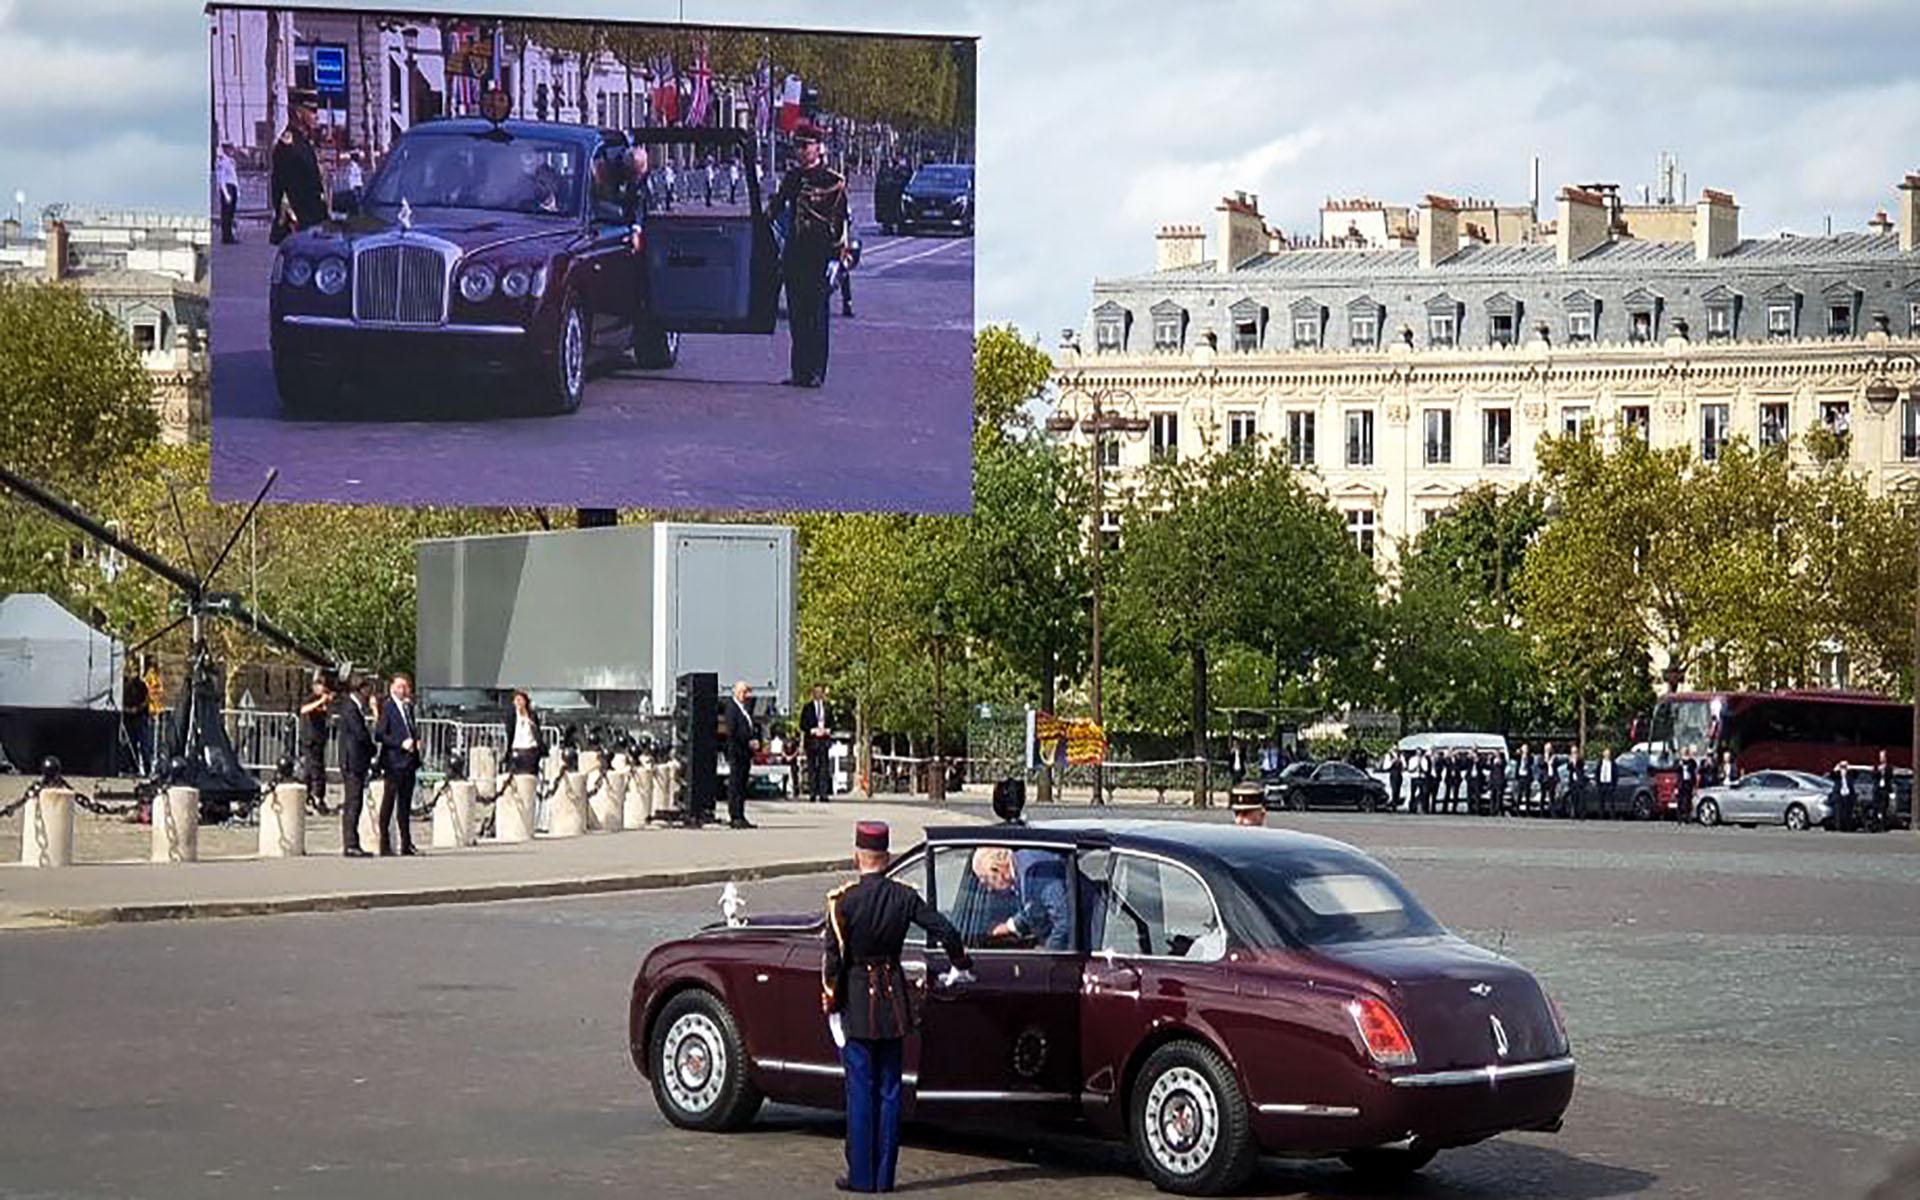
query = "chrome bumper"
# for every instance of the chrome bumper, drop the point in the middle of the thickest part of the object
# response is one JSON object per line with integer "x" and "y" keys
{"x": 310, "y": 321}
{"x": 1488, "y": 1074}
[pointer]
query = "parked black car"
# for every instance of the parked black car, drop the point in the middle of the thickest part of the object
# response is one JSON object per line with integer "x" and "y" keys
{"x": 939, "y": 196}
{"x": 1306, "y": 785}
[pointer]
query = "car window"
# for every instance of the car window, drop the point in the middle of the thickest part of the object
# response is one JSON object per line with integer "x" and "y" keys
{"x": 1297, "y": 770}
{"x": 1340, "y": 772}
{"x": 1327, "y": 897}
{"x": 912, "y": 871}
{"x": 1005, "y": 897}
{"x": 1157, "y": 909}
{"x": 532, "y": 176}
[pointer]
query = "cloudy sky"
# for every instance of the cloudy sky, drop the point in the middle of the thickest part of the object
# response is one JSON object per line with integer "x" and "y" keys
{"x": 1101, "y": 120}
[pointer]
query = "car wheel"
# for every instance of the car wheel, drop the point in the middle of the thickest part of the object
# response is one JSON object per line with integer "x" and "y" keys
{"x": 700, "y": 1065}
{"x": 1708, "y": 813}
{"x": 1797, "y": 817}
{"x": 566, "y": 366}
{"x": 1387, "y": 1162}
{"x": 1642, "y": 806}
{"x": 1192, "y": 1129}
{"x": 1369, "y": 802}
{"x": 655, "y": 349}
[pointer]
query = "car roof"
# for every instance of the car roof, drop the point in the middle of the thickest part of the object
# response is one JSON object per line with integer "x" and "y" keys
{"x": 586, "y": 135}
{"x": 1194, "y": 842}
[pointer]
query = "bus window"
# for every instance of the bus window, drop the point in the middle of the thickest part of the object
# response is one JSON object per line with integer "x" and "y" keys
{"x": 1680, "y": 725}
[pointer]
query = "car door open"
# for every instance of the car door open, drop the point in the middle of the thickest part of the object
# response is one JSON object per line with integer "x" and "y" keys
{"x": 710, "y": 269}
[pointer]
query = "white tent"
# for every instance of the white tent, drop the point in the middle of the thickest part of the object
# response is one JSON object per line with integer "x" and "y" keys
{"x": 50, "y": 658}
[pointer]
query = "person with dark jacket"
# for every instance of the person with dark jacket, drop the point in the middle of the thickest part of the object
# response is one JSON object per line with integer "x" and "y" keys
{"x": 1576, "y": 792}
{"x": 817, "y": 727}
{"x": 743, "y": 738}
{"x": 314, "y": 728}
{"x": 1882, "y": 792}
{"x": 1840, "y": 801}
{"x": 1497, "y": 767}
{"x": 1689, "y": 782}
{"x": 356, "y": 760}
{"x": 1523, "y": 778}
{"x": 1395, "y": 770}
{"x": 399, "y": 741}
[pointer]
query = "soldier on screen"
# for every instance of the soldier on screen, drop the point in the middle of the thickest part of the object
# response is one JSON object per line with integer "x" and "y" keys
{"x": 815, "y": 196}
{"x": 296, "y": 191}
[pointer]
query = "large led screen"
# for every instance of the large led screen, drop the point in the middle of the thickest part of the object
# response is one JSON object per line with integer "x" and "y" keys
{"x": 485, "y": 260}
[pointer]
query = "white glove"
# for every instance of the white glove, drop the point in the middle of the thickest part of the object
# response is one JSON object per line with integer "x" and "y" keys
{"x": 954, "y": 975}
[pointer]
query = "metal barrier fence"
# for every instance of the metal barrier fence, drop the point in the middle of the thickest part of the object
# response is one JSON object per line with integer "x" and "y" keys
{"x": 261, "y": 738}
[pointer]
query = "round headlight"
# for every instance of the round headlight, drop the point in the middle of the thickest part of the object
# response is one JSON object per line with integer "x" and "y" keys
{"x": 476, "y": 283}
{"x": 299, "y": 271}
{"x": 515, "y": 282}
{"x": 330, "y": 276}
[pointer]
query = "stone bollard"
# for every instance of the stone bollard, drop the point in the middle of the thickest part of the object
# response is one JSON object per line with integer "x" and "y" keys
{"x": 283, "y": 821}
{"x": 639, "y": 795}
{"x": 567, "y": 809}
{"x": 370, "y": 815}
{"x": 608, "y": 805}
{"x": 176, "y": 825}
{"x": 484, "y": 769}
{"x": 551, "y": 766}
{"x": 666, "y": 785}
{"x": 513, "y": 811}
{"x": 453, "y": 823}
{"x": 46, "y": 829}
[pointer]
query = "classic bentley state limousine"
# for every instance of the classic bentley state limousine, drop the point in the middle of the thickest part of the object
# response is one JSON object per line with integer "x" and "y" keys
{"x": 1207, "y": 992}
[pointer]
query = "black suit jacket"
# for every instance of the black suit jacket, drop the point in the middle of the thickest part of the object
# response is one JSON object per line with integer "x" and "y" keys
{"x": 356, "y": 740}
{"x": 740, "y": 732}
{"x": 390, "y": 731}
{"x": 807, "y": 723}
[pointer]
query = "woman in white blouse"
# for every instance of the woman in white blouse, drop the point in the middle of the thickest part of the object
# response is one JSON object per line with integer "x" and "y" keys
{"x": 525, "y": 745}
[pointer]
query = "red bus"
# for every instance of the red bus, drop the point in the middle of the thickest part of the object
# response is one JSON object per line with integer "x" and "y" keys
{"x": 1795, "y": 731}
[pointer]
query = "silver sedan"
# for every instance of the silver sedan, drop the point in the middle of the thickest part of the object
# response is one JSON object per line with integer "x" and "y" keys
{"x": 1795, "y": 799}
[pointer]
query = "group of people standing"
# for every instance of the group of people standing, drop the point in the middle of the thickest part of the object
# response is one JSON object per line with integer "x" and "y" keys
{"x": 377, "y": 737}
{"x": 1490, "y": 782}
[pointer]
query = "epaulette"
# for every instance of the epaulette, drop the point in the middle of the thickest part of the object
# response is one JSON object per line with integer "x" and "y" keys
{"x": 286, "y": 137}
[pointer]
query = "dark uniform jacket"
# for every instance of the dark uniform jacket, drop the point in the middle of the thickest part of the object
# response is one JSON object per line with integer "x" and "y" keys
{"x": 392, "y": 731}
{"x": 860, "y": 974}
{"x": 294, "y": 183}
{"x": 818, "y": 201}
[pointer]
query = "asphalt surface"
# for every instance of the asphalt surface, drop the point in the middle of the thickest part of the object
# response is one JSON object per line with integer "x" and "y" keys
{"x": 1743, "y": 1005}
{"x": 890, "y": 430}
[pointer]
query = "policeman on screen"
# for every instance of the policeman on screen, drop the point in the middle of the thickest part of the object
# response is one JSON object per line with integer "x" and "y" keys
{"x": 863, "y": 985}
{"x": 296, "y": 192}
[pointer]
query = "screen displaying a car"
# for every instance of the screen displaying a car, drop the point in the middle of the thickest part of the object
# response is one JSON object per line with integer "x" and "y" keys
{"x": 509, "y": 261}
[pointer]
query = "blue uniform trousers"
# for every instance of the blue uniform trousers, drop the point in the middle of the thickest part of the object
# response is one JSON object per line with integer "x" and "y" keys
{"x": 873, "y": 1112}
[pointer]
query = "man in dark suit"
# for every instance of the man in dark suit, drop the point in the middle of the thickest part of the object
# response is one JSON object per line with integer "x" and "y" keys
{"x": 818, "y": 723}
{"x": 400, "y": 763}
{"x": 743, "y": 738}
{"x": 356, "y": 759}
{"x": 862, "y": 983}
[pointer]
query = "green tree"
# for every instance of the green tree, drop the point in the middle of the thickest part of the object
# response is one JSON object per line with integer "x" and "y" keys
{"x": 74, "y": 399}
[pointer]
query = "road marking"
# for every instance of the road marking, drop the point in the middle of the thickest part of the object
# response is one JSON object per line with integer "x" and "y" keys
{"x": 895, "y": 262}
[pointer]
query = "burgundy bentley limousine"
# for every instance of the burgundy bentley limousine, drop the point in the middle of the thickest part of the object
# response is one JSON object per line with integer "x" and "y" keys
{"x": 1209, "y": 993}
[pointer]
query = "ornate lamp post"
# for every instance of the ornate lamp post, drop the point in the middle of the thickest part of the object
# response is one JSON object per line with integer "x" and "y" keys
{"x": 1109, "y": 411}
{"x": 1881, "y": 395}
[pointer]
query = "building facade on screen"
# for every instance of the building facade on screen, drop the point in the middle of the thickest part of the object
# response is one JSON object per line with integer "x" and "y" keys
{"x": 1404, "y": 355}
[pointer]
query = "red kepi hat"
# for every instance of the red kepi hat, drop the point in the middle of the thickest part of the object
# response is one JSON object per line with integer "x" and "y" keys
{"x": 807, "y": 131}
{"x": 870, "y": 835}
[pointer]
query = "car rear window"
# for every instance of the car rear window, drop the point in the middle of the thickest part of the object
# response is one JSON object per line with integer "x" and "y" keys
{"x": 1324, "y": 898}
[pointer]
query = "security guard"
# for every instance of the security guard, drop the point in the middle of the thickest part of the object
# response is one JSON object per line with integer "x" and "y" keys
{"x": 862, "y": 983}
{"x": 295, "y": 190}
{"x": 815, "y": 196}
{"x": 1248, "y": 804}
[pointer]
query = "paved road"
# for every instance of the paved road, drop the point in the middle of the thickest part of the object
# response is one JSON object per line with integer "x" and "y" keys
{"x": 889, "y": 431}
{"x": 1743, "y": 1005}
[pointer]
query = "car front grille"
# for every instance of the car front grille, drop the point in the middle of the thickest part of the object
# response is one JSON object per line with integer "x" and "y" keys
{"x": 400, "y": 285}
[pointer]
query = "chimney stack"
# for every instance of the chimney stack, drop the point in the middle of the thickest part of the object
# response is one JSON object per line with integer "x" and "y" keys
{"x": 56, "y": 265}
{"x": 1178, "y": 246}
{"x": 1716, "y": 224}
{"x": 1243, "y": 235}
{"x": 1439, "y": 234}
{"x": 1910, "y": 214}
{"x": 1582, "y": 225}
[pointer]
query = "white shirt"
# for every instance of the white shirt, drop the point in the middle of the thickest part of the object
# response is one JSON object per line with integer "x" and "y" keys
{"x": 525, "y": 736}
{"x": 224, "y": 175}
{"x": 354, "y": 177}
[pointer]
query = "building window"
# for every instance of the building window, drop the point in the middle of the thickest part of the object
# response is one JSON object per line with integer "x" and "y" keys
{"x": 1166, "y": 436}
{"x": 1109, "y": 529}
{"x": 1439, "y": 447}
{"x": 1306, "y": 332}
{"x": 1166, "y": 330}
{"x": 1780, "y": 320}
{"x": 1109, "y": 451}
{"x": 1640, "y": 327}
{"x": 1713, "y": 430}
{"x": 1246, "y": 334}
{"x": 1442, "y": 329}
{"x": 1580, "y": 326}
{"x": 1913, "y": 316}
{"x": 1429, "y": 517}
{"x": 1496, "y": 437}
{"x": 1575, "y": 419}
{"x": 1720, "y": 322}
{"x": 1500, "y": 328}
{"x": 1635, "y": 419}
{"x": 1110, "y": 335}
{"x": 1840, "y": 318}
{"x": 1241, "y": 428}
{"x": 1835, "y": 415}
{"x": 1300, "y": 439}
{"x": 1774, "y": 423}
{"x": 1910, "y": 428}
{"x": 1360, "y": 529}
{"x": 146, "y": 337}
{"x": 1363, "y": 329}
{"x": 1360, "y": 437}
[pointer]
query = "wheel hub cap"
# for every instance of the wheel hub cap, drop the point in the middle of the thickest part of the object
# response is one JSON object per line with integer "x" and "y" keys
{"x": 693, "y": 1062}
{"x": 1182, "y": 1121}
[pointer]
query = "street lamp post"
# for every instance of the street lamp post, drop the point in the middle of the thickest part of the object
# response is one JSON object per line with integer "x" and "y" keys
{"x": 1881, "y": 395}
{"x": 1110, "y": 411}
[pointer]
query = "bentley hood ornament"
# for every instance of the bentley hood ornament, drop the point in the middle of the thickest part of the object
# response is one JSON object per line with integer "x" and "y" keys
{"x": 406, "y": 215}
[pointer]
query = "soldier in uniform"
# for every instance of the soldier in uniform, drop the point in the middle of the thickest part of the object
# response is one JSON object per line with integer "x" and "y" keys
{"x": 863, "y": 984}
{"x": 815, "y": 196}
{"x": 1249, "y": 805}
{"x": 314, "y": 715}
{"x": 296, "y": 192}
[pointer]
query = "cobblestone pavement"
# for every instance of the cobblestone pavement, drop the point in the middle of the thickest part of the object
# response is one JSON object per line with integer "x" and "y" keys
{"x": 1742, "y": 1003}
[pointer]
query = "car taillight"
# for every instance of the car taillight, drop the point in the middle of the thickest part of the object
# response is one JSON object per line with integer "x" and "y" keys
{"x": 1380, "y": 1031}
{"x": 1559, "y": 1022}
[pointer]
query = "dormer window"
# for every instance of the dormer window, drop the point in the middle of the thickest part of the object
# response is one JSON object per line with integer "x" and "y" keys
{"x": 1249, "y": 323}
{"x": 1842, "y": 303}
{"x": 1783, "y": 309}
{"x": 1307, "y": 323}
{"x": 1110, "y": 323}
{"x": 1169, "y": 326}
{"x": 1721, "y": 303}
{"x": 1363, "y": 324}
{"x": 1443, "y": 321}
{"x": 1583, "y": 317}
{"x": 1503, "y": 319}
{"x": 1643, "y": 315}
